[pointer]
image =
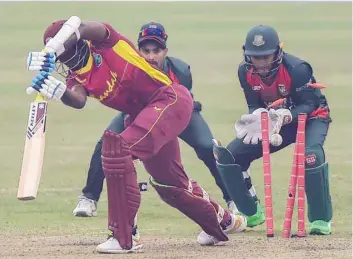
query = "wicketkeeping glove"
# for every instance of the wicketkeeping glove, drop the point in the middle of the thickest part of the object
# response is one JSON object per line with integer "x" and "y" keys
{"x": 249, "y": 126}
{"x": 282, "y": 116}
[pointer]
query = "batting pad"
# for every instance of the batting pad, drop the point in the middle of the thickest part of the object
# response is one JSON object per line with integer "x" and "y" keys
{"x": 123, "y": 191}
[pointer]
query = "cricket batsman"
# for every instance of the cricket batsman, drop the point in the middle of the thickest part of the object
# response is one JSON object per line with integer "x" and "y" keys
{"x": 99, "y": 62}
{"x": 152, "y": 44}
{"x": 266, "y": 75}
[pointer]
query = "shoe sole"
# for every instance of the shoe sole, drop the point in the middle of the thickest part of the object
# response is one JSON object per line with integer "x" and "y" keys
{"x": 83, "y": 214}
{"x": 318, "y": 232}
{"x": 257, "y": 224}
{"x": 218, "y": 243}
{"x": 135, "y": 249}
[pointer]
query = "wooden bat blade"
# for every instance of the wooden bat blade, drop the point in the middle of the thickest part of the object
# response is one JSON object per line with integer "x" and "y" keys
{"x": 33, "y": 154}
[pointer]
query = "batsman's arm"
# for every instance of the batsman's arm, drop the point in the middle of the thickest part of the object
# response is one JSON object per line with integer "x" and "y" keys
{"x": 73, "y": 30}
{"x": 75, "y": 96}
{"x": 253, "y": 100}
{"x": 306, "y": 99}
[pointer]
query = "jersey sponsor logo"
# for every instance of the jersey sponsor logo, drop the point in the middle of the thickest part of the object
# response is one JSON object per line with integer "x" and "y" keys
{"x": 110, "y": 83}
{"x": 110, "y": 86}
{"x": 257, "y": 87}
{"x": 303, "y": 87}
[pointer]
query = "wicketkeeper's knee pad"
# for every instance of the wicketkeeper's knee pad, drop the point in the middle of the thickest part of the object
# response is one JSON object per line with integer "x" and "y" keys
{"x": 317, "y": 184}
{"x": 198, "y": 209}
{"x": 233, "y": 180}
{"x": 123, "y": 191}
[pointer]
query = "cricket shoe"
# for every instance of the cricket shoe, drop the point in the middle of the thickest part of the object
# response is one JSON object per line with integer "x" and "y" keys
{"x": 252, "y": 221}
{"x": 258, "y": 218}
{"x": 320, "y": 227}
{"x": 112, "y": 246}
{"x": 85, "y": 207}
{"x": 232, "y": 207}
{"x": 237, "y": 223}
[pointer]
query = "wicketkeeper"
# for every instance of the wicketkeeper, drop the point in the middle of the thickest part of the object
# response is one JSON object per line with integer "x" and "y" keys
{"x": 267, "y": 75}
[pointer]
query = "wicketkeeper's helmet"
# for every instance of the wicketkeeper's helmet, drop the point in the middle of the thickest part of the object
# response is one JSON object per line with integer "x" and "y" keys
{"x": 263, "y": 40}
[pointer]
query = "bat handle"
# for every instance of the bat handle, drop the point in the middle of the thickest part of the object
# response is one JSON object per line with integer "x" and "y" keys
{"x": 39, "y": 98}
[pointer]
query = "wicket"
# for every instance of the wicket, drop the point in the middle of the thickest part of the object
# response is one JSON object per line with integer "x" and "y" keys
{"x": 266, "y": 159}
{"x": 297, "y": 178}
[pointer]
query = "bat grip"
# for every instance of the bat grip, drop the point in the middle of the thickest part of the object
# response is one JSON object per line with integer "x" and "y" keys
{"x": 39, "y": 98}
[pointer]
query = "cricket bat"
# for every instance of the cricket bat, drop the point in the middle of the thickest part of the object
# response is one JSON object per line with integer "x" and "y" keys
{"x": 33, "y": 151}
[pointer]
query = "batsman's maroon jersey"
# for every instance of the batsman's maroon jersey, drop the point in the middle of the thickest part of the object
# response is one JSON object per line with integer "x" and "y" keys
{"x": 117, "y": 75}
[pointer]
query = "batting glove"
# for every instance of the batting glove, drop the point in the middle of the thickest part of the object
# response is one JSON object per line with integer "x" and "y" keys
{"x": 48, "y": 86}
{"x": 41, "y": 61}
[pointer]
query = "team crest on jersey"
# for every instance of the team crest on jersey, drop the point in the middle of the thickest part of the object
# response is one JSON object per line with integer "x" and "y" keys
{"x": 258, "y": 40}
{"x": 97, "y": 59}
{"x": 282, "y": 90}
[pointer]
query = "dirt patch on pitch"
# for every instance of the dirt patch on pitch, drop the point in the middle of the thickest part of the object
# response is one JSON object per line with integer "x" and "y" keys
{"x": 240, "y": 246}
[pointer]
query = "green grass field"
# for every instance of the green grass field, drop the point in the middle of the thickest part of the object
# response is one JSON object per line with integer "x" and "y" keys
{"x": 208, "y": 36}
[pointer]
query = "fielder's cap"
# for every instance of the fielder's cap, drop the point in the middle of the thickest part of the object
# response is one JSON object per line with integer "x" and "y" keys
{"x": 153, "y": 31}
